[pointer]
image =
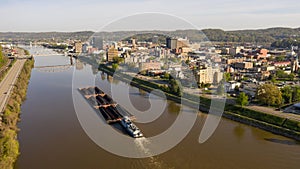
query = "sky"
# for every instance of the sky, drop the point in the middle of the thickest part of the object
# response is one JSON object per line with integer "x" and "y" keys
{"x": 93, "y": 15}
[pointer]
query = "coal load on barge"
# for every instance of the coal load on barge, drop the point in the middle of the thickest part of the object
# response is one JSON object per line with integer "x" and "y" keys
{"x": 110, "y": 110}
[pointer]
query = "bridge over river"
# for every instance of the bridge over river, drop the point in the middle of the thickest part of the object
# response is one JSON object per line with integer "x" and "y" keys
{"x": 39, "y": 51}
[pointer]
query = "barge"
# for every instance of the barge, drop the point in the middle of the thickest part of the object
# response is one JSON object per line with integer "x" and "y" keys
{"x": 110, "y": 110}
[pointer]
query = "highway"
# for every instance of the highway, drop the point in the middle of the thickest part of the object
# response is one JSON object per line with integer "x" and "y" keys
{"x": 7, "y": 83}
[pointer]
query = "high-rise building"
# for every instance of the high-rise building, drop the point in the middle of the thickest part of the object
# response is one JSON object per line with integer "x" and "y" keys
{"x": 97, "y": 42}
{"x": 133, "y": 42}
{"x": 78, "y": 47}
{"x": 176, "y": 45}
{"x": 171, "y": 43}
{"x": 111, "y": 53}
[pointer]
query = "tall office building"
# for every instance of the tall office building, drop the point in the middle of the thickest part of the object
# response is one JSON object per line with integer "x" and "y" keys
{"x": 171, "y": 43}
{"x": 97, "y": 42}
{"x": 78, "y": 47}
{"x": 177, "y": 45}
{"x": 111, "y": 53}
{"x": 133, "y": 42}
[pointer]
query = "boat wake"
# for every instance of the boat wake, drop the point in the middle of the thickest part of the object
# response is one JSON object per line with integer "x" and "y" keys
{"x": 152, "y": 161}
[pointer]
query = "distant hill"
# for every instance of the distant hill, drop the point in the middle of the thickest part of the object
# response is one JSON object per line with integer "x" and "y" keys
{"x": 45, "y": 36}
{"x": 259, "y": 36}
{"x": 264, "y": 36}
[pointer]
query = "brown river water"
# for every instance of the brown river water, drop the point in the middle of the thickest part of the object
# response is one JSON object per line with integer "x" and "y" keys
{"x": 51, "y": 135}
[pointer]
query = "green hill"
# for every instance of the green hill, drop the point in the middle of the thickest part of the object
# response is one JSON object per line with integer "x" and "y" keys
{"x": 264, "y": 36}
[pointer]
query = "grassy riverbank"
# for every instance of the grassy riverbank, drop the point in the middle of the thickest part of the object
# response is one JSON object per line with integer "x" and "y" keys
{"x": 9, "y": 145}
{"x": 3, "y": 63}
{"x": 272, "y": 123}
{"x": 3, "y": 60}
{"x": 4, "y": 71}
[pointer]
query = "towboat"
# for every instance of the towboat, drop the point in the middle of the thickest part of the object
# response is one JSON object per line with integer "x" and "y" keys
{"x": 131, "y": 128}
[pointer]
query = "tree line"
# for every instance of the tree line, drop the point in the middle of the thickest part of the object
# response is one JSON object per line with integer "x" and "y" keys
{"x": 286, "y": 43}
{"x": 3, "y": 60}
{"x": 271, "y": 95}
{"x": 9, "y": 145}
{"x": 260, "y": 36}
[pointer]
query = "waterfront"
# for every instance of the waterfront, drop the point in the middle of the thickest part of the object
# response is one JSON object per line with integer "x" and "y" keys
{"x": 51, "y": 135}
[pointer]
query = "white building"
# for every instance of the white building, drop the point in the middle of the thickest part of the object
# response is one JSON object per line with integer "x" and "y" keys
{"x": 230, "y": 86}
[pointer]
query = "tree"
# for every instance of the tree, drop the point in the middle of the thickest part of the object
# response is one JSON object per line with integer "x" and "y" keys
{"x": 280, "y": 58}
{"x": 3, "y": 60}
{"x": 175, "y": 87}
{"x": 285, "y": 43}
{"x": 245, "y": 78}
{"x": 269, "y": 94}
{"x": 166, "y": 75}
{"x": 291, "y": 76}
{"x": 143, "y": 72}
{"x": 227, "y": 77}
{"x": 1, "y": 55}
{"x": 118, "y": 60}
{"x": 27, "y": 52}
{"x": 287, "y": 94}
{"x": 242, "y": 99}
{"x": 296, "y": 93}
{"x": 220, "y": 89}
{"x": 273, "y": 79}
{"x": 281, "y": 74}
{"x": 115, "y": 66}
{"x": 201, "y": 85}
{"x": 236, "y": 88}
{"x": 207, "y": 85}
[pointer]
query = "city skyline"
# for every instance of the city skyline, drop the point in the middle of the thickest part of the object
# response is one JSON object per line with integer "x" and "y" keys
{"x": 149, "y": 84}
{"x": 92, "y": 15}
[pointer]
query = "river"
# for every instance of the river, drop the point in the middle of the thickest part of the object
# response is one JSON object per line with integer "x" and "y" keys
{"x": 51, "y": 135}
